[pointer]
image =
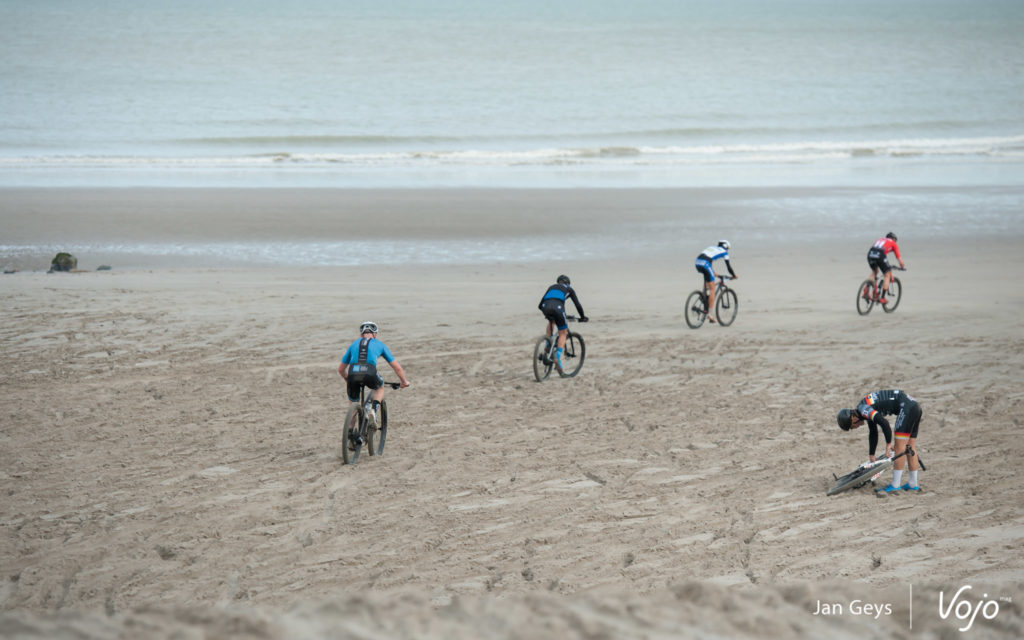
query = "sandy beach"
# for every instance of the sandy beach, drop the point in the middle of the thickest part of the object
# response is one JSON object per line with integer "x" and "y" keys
{"x": 169, "y": 432}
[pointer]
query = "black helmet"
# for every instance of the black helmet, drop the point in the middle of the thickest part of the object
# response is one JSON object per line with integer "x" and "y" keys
{"x": 891, "y": 236}
{"x": 563, "y": 279}
{"x": 845, "y": 419}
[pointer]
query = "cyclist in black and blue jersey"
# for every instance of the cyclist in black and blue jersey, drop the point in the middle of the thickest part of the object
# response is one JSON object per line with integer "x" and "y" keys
{"x": 705, "y": 266}
{"x": 872, "y": 409}
{"x": 359, "y": 368}
{"x": 552, "y": 305}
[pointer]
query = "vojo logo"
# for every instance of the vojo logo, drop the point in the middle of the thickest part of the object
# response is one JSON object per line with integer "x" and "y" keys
{"x": 964, "y": 610}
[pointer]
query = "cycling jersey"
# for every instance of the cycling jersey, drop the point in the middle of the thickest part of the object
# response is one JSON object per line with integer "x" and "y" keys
{"x": 375, "y": 349}
{"x": 878, "y": 404}
{"x": 705, "y": 262}
{"x": 362, "y": 356}
{"x": 882, "y": 247}
{"x": 552, "y": 305}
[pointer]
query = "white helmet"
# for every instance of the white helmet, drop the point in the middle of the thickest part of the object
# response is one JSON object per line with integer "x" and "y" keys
{"x": 724, "y": 244}
{"x": 368, "y": 327}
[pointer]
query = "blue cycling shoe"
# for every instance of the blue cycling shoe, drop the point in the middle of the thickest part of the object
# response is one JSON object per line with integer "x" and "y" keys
{"x": 887, "y": 489}
{"x": 907, "y": 487}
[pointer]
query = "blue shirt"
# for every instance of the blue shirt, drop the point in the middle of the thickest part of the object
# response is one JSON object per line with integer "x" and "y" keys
{"x": 374, "y": 351}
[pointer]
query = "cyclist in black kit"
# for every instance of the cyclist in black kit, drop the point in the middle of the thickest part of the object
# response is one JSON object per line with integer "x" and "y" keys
{"x": 872, "y": 409}
{"x": 552, "y": 305}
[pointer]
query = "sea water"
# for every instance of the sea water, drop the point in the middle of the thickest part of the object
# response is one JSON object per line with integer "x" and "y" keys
{"x": 523, "y": 93}
{"x": 883, "y": 96}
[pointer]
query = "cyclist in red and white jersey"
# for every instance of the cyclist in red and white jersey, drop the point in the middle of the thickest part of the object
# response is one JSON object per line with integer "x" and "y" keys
{"x": 877, "y": 260}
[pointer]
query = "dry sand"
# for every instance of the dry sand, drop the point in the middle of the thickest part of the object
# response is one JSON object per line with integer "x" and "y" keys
{"x": 169, "y": 447}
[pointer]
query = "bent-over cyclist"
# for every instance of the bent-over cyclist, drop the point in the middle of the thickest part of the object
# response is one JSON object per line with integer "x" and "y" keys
{"x": 359, "y": 368}
{"x": 552, "y": 305}
{"x": 872, "y": 409}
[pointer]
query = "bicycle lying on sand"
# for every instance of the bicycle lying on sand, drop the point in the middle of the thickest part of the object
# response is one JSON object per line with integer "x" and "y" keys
{"x": 573, "y": 353}
{"x": 358, "y": 431}
{"x": 867, "y": 294}
{"x": 868, "y": 472}
{"x": 726, "y": 305}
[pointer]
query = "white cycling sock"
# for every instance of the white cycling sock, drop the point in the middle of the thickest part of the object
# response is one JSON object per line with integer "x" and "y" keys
{"x": 912, "y": 478}
{"x": 896, "y": 475}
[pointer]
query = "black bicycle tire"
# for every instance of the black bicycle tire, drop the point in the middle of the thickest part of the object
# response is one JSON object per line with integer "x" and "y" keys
{"x": 382, "y": 430}
{"x": 575, "y": 348}
{"x": 891, "y": 304}
{"x": 868, "y": 302}
{"x": 858, "y": 478}
{"x": 354, "y": 412}
{"x": 692, "y": 301}
{"x": 541, "y": 371}
{"x": 723, "y": 300}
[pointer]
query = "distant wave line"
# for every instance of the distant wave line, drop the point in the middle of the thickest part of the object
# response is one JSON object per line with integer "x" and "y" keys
{"x": 1008, "y": 147}
{"x": 287, "y": 141}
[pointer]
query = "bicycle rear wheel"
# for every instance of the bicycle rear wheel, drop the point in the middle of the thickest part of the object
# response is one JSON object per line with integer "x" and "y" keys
{"x": 541, "y": 371}
{"x": 573, "y": 353}
{"x": 696, "y": 310}
{"x": 893, "y": 296}
{"x": 727, "y": 305}
{"x": 382, "y": 430}
{"x": 859, "y": 477}
{"x": 865, "y": 299}
{"x": 350, "y": 445}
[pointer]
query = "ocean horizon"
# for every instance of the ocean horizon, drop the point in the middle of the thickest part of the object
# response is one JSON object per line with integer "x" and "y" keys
{"x": 526, "y": 94}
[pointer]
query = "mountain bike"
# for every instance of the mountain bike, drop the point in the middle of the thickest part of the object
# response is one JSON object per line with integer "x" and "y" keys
{"x": 726, "y": 305}
{"x": 868, "y": 472}
{"x": 573, "y": 354}
{"x": 867, "y": 294}
{"x": 358, "y": 432}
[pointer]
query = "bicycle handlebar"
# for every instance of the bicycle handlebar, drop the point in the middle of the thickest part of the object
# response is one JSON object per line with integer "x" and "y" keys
{"x": 393, "y": 385}
{"x": 577, "y": 318}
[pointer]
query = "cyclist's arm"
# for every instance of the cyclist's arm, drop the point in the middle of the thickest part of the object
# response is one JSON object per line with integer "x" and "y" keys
{"x": 875, "y": 422}
{"x": 343, "y": 370}
{"x": 576, "y": 301}
{"x": 728, "y": 266}
{"x": 896, "y": 251}
{"x": 400, "y": 372}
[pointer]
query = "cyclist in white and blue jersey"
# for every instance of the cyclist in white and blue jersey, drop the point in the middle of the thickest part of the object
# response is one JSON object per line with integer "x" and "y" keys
{"x": 705, "y": 266}
{"x": 552, "y": 305}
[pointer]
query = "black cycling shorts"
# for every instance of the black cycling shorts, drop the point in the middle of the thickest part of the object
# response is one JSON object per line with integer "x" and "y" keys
{"x": 876, "y": 260}
{"x": 908, "y": 420}
{"x": 358, "y": 379}
{"x": 554, "y": 310}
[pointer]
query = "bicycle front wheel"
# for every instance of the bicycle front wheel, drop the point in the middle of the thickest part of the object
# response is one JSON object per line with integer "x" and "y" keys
{"x": 696, "y": 310}
{"x": 726, "y": 306}
{"x": 350, "y": 444}
{"x": 892, "y": 298}
{"x": 573, "y": 353}
{"x": 382, "y": 430}
{"x": 865, "y": 297}
{"x": 540, "y": 353}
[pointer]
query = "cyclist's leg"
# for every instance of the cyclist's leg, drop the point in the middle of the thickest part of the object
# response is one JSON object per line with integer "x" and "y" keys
{"x": 886, "y": 278}
{"x": 708, "y": 271}
{"x": 378, "y": 392}
{"x": 910, "y": 426}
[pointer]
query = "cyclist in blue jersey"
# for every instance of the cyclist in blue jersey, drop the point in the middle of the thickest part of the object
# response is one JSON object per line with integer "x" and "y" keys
{"x": 359, "y": 368}
{"x": 552, "y": 305}
{"x": 705, "y": 267}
